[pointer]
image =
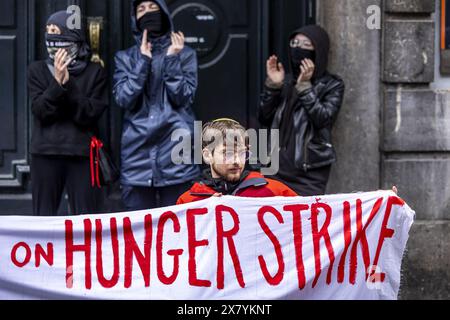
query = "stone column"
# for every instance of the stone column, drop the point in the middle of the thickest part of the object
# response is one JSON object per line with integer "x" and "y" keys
{"x": 355, "y": 56}
{"x": 416, "y": 143}
{"x": 393, "y": 128}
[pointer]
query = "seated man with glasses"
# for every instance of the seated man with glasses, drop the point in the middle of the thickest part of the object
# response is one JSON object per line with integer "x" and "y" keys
{"x": 226, "y": 151}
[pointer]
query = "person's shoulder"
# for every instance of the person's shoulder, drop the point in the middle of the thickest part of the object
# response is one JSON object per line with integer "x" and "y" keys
{"x": 334, "y": 79}
{"x": 186, "y": 197}
{"x": 95, "y": 66}
{"x": 36, "y": 70}
{"x": 277, "y": 187}
{"x": 126, "y": 53}
{"x": 96, "y": 69}
{"x": 255, "y": 175}
{"x": 37, "y": 65}
{"x": 331, "y": 83}
{"x": 280, "y": 189}
{"x": 188, "y": 52}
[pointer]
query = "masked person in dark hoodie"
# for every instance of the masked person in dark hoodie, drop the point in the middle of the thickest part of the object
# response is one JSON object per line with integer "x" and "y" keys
{"x": 303, "y": 105}
{"x": 155, "y": 83}
{"x": 68, "y": 95}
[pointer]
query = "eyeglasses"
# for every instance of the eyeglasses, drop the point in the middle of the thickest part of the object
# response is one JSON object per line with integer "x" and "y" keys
{"x": 230, "y": 156}
{"x": 295, "y": 43}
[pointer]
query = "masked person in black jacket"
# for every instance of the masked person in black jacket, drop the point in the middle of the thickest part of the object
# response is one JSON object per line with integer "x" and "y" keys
{"x": 303, "y": 105}
{"x": 68, "y": 94}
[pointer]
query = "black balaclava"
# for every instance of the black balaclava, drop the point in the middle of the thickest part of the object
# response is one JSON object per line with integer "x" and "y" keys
{"x": 297, "y": 56}
{"x": 74, "y": 40}
{"x": 153, "y": 22}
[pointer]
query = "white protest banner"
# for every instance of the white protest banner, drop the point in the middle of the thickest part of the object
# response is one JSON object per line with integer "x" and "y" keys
{"x": 333, "y": 247}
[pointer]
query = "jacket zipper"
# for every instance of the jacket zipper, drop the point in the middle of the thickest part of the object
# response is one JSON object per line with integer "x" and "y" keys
{"x": 305, "y": 151}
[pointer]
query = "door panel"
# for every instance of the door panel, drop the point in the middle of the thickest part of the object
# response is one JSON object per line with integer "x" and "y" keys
{"x": 230, "y": 54}
{"x": 13, "y": 103}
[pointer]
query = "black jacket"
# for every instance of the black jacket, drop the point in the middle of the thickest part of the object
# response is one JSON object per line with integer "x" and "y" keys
{"x": 65, "y": 116}
{"x": 315, "y": 111}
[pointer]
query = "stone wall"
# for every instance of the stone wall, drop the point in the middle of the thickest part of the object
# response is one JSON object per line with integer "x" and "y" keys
{"x": 394, "y": 129}
{"x": 355, "y": 56}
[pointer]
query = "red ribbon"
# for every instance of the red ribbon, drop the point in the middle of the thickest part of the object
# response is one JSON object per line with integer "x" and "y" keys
{"x": 96, "y": 145}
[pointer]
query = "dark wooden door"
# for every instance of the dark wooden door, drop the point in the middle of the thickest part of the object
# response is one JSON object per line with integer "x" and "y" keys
{"x": 14, "y": 112}
{"x": 232, "y": 38}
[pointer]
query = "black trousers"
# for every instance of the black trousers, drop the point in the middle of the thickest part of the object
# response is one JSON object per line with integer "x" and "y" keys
{"x": 142, "y": 198}
{"x": 50, "y": 175}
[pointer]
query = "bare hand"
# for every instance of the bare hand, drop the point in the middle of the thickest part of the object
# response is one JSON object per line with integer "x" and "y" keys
{"x": 146, "y": 47}
{"x": 394, "y": 188}
{"x": 275, "y": 70}
{"x": 177, "y": 43}
{"x": 61, "y": 71}
{"x": 217, "y": 195}
{"x": 307, "y": 69}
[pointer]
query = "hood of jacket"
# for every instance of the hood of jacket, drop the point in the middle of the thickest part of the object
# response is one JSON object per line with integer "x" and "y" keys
{"x": 76, "y": 35}
{"x": 134, "y": 27}
{"x": 321, "y": 41}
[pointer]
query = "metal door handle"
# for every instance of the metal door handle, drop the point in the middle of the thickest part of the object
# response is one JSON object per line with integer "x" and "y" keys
{"x": 95, "y": 26}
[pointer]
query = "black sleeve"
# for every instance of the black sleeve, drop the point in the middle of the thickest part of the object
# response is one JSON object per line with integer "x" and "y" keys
{"x": 46, "y": 101}
{"x": 88, "y": 108}
{"x": 271, "y": 99}
{"x": 323, "y": 111}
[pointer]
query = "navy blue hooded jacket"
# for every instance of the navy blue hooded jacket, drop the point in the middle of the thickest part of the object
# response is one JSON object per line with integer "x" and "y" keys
{"x": 156, "y": 95}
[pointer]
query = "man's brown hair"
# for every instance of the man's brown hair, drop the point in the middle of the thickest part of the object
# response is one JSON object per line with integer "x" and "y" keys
{"x": 223, "y": 129}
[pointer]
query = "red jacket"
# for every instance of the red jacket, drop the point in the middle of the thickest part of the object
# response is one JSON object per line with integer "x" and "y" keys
{"x": 254, "y": 186}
